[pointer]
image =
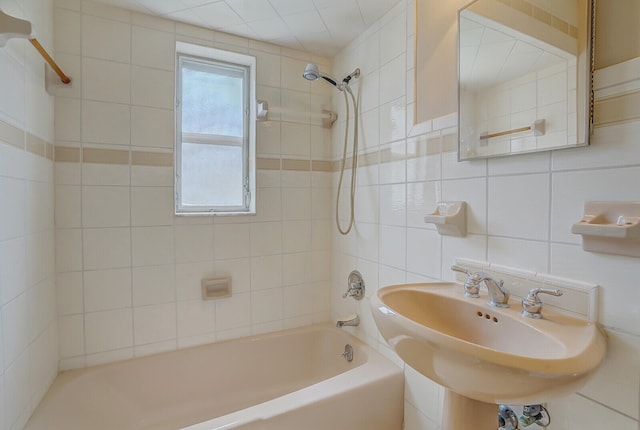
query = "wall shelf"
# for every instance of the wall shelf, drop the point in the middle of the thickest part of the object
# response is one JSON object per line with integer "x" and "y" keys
{"x": 610, "y": 227}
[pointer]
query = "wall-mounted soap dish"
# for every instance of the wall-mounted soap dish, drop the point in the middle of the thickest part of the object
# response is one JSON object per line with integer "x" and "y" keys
{"x": 450, "y": 218}
{"x": 610, "y": 227}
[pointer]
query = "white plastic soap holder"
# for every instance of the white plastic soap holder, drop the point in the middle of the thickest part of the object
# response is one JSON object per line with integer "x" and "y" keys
{"x": 610, "y": 228}
{"x": 450, "y": 218}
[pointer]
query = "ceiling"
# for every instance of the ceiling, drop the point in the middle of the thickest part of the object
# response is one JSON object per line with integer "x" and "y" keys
{"x": 321, "y": 27}
{"x": 491, "y": 53}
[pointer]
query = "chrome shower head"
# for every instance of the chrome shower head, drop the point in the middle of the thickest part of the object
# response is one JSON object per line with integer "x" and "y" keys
{"x": 311, "y": 72}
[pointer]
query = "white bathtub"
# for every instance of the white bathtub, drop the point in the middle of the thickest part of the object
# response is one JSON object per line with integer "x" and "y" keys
{"x": 296, "y": 379}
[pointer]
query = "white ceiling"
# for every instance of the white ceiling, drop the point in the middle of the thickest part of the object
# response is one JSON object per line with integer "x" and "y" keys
{"x": 491, "y": 53}
{"x": 322, "y": 27}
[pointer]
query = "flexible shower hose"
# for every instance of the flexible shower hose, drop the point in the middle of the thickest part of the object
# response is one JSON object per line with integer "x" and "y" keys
{"x": 354, "y": 164}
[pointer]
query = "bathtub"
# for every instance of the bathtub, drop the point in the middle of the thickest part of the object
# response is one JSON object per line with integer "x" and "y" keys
{"x": 295, "y": 379}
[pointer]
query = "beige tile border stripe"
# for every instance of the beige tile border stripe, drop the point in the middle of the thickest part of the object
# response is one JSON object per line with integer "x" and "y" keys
{"x": 323, "y": 166}
{"x": 50, "y": 151}
{"x": 621, "y": 108}
{"x": 615, "y": 109}
{"x": 155, "y": 159}
{"x": 66, "y": 154}
{"x": 26, "y": 141}
{"x": 105, "y": 156}
{"x": 268, "y": 164}
{"x": 11, "y": 135}
{"x": 36, "y": 146}
{"x": 296, "y": 165}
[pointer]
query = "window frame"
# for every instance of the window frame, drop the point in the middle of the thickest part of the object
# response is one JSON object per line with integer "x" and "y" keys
{"x": 218, "y": 57}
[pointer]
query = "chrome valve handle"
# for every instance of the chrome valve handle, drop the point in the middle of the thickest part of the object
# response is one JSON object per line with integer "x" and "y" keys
{"x": 472, "y": 284}
{"x": 532, "y": 305}
{"x": 355, "y": 286}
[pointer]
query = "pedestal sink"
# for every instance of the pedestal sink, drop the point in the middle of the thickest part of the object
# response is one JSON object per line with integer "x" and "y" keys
{"x": 482, "y": 354}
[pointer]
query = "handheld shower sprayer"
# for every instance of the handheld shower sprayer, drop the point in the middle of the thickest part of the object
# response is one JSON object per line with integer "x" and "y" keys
{"x": 313, "y": 73}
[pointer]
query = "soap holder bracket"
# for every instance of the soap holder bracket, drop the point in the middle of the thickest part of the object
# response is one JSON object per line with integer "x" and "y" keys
{"x": 450, "y": 218}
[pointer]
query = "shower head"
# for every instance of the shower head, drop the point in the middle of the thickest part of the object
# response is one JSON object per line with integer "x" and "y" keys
{"x": 313, "y": 73}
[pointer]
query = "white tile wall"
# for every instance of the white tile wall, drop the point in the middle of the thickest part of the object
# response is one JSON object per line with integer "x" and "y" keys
{"x": 28, "y": 323}
{"x": 107, "y": 289}
{"x": 128, "y": 270}
{"x": 108, "y": 330}
{"x": 520, "y": 211}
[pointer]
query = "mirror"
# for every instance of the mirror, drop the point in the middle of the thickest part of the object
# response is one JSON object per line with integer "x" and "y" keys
{"x": 524, "y": 76}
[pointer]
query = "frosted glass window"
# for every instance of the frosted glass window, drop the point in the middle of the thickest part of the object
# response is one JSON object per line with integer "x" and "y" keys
{"x": 212, "y": 99}
{"x": 208, "y": 167}
{"x": 215, "y": 143}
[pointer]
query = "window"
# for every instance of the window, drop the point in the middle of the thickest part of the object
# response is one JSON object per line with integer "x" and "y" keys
{"x": 215, "y": 131}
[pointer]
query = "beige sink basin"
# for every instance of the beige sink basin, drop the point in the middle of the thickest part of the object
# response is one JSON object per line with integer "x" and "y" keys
{"x": 484, "y": 353}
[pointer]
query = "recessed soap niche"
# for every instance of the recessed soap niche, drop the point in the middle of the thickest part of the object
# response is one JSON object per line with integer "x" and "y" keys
{"x": 579, "y": 298}
{"x": 215, "y": 288}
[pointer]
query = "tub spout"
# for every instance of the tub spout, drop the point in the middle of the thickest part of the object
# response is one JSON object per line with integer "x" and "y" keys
{"x": 352, "y": 320}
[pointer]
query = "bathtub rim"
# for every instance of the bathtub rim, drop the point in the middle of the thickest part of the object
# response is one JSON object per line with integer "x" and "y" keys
{"x": 376, "y": 367}
{"x": 299, "y": 398}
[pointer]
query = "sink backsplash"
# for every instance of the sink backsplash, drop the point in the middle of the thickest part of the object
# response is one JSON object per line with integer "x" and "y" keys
{"x": 579, "y": 298}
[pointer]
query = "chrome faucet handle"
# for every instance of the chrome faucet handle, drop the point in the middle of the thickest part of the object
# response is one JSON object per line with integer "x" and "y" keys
{"x": 472, "y": 284}
{"x": 532, "y": 305}
{"x": 457, "y": 268}
{"x": 355, "y": 286}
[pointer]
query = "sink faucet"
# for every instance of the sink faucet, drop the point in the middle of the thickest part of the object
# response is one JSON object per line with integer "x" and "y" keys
{"x": 352, "y": 320}
{"x": 498, "y": 294}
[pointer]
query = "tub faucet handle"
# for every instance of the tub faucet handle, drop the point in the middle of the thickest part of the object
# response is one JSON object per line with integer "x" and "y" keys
{"x": 355, "y": 286}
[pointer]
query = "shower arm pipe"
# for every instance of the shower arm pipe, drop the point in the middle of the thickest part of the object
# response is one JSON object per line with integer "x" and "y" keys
{"x": 64, "y": 78}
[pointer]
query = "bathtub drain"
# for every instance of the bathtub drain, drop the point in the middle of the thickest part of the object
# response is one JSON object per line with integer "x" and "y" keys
{"x": 348, "y": 352}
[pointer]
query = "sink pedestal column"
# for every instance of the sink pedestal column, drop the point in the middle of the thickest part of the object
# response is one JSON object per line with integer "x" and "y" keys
{"x": 461, "y": 413}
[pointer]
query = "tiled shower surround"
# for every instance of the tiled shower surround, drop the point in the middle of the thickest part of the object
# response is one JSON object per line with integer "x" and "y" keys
{"x": 125, "y": 272}
{"x": 129, "y": 271}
